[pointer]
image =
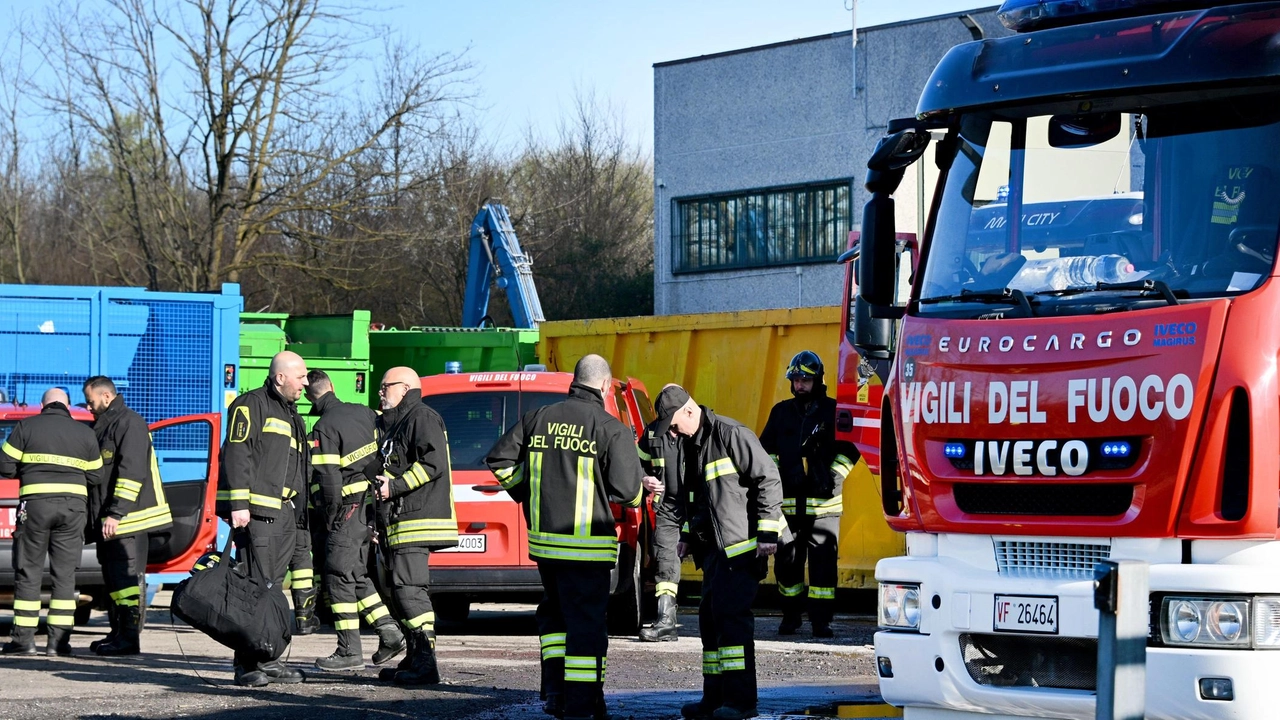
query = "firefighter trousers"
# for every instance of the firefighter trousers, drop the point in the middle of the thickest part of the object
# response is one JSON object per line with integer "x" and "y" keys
{"x": 124, "y": 563}
{"x": 665, "y": 536}
{"x": 302, "y": 583}
{"x": 52, "y": 526}
{"x": 573, "y": 634}
{"x": 728, "y": 629}
{"x": 347, "y": 584}
{"x": 410, "y": 581}
{"x": 816, "y": 540}
{"x": 270, "y": 547}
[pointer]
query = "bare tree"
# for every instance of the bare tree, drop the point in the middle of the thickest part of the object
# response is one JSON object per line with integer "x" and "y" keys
{"x": 226, "y": 129}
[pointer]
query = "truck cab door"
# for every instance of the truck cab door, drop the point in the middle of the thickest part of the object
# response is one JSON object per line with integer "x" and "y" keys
{"x": 187, "y": 455}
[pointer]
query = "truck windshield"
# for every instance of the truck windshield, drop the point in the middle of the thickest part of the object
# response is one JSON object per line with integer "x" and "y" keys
{"x": 475, "y": 420}
{"x": 1182, "y": 196}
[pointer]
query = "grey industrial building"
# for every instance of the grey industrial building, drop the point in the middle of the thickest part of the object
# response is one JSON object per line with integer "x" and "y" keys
{"x": 759, "y": 156}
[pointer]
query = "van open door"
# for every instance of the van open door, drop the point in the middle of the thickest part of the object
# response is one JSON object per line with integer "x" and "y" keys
{"x": 187, "y": 456}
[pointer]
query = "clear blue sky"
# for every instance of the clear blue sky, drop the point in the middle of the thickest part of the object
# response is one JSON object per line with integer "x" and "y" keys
{"x": 531, "y": 56}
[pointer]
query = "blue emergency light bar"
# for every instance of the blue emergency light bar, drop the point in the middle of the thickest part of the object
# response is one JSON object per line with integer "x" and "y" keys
{"x": 1116, "y": 449}
{"x": 1027, "y": 15}
{"x": 953, "y": 450}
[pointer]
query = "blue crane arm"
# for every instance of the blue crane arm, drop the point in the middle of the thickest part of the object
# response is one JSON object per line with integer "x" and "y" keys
{"x": 496, "y": 256}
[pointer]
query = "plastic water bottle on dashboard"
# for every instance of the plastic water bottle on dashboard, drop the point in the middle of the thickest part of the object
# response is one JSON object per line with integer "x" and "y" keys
{"x": 1090, "y": 270}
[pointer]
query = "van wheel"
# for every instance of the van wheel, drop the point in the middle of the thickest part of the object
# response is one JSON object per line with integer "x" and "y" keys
{"x": 624, "y": 607}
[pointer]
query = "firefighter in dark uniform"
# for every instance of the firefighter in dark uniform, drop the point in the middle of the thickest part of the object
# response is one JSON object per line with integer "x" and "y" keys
{"x": 265, "y": 463}
{"x": 416, "y": 515}
{"x": 800, "y": 435}
{"x": 662, "y": 457}
{"x": 565, "y": 463}
{"x": 344, "y": 449}
{"x": 58, "y": 464}
{"x": 734, "y": 524}
{"x": 131, "y": 505}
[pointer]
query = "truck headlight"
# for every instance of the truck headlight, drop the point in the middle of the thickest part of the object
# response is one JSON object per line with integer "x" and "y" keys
{"x": 899, "y": 606}
{"x": 1266, "y": 622}
{"x": 1206, "y": 622}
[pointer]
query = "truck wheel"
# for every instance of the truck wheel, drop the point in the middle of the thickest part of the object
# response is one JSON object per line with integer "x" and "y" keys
{"x": 624, "y": 607}
{"x": 451, "y": 608}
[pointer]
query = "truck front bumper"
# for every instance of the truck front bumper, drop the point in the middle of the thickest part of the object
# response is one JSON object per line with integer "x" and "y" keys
{"x": 957, "y": 589}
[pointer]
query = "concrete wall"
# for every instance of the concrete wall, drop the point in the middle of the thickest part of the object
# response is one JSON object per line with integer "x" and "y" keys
{"x": 778, "y": 115}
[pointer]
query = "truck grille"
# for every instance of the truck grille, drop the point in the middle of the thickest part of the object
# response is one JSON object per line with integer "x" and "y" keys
{"x": 1100, "y": 500}
{"x": 1037, "y": 662}
{"x": 1049, "y": 560}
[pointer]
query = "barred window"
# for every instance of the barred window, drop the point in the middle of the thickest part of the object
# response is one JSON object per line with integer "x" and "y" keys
{"x": 776, "y": 226}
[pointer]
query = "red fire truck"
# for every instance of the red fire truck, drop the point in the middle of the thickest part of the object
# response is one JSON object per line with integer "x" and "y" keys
{"x": 491, "y": 560}
{"x": 190, "y": 483}
{"x": 1086, "y": 366}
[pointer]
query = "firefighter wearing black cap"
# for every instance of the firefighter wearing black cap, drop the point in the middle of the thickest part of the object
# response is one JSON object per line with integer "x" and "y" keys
{"x": 662, "y": 456}
{"x": 800, "y": 435}
{"x": 131, "y": 505}
{"x": 416, "y": 515}
{"x": 734, "y": 523}
{"x": 565, "y": 463}
{"x": 344, "y": 455}
{"x": 58, "y": 464}
{"x": 265, "y": 464}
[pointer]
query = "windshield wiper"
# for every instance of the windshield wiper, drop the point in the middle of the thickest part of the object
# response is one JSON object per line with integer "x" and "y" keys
{"x": 1141, "y": 286}
{"x": 1011, "y": 296}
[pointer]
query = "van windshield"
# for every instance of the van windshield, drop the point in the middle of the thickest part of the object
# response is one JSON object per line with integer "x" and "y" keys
{"x": 475, "y": 420}
{"x": 1182, "y": 196}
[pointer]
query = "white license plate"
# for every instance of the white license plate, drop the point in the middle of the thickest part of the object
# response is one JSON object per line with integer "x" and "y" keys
{"x": 468, "y": 544}
{"x": 1026, "y": 614}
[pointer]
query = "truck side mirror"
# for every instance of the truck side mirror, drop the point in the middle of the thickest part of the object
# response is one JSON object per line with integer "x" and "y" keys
{"x": 875, "y": 311}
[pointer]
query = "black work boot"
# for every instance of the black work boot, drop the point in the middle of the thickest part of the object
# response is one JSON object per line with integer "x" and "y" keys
{"x": 820, "y": 618}
{"x": 730, "y": 712}
{"x": 278, "y": 672}
{"x": 113, "y": 616}
{"x": 248, "y": 674}
{"x": 554, "y": 705}
{"x": 664, "y": 628}
{"x": 791, "y": 622}
{"x": 129, "y": 638}
{"x": 349, "y": 654}
{"x": 59, "y": 641}
{"x": 391, "y": 642}
{"x": 712, "y": 699}
{"x": 22, "y": 641}
{"x": 422, "y": 668}
{"x": 389, "y": 674}
{"x": 304, "y": 612}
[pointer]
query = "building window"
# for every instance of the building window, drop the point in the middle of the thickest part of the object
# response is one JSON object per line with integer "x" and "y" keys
{"x": 776, "y": 226}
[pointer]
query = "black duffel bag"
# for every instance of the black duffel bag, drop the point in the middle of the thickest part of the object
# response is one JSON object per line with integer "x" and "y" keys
{"x": 244, "y": 613}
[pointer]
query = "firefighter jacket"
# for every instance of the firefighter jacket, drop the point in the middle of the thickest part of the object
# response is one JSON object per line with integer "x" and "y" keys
{"x": 265, "y": 459}
{"x": 733, "y": 486}
{"x": 564, "y": 463}
{"x": 132, "y": 493}
{"x": 663, "y": 458}
{"x": 415, "y": 450}
{"x": 52, "y": 456}
{"x": 800, "y": 437}
{"x": 344, "y": 443}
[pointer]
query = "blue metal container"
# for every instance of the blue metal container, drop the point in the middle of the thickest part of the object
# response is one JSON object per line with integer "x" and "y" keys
{"x": 170, "y": 354}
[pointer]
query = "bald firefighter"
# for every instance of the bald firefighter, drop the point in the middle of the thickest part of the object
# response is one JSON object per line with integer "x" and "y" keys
{"x": 265, "y": 465}
{"x": 58, "y": 464}
{"x": 565, "y": 463}
{"x": 416, "y": 514}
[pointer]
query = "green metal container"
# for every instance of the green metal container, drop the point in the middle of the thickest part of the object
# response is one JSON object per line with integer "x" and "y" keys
{"x": 427, "y": 349}
{"x": 336, "y": 344}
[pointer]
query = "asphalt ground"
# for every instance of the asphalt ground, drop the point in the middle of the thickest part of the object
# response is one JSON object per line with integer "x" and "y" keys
{"x": 489, "y": 665}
